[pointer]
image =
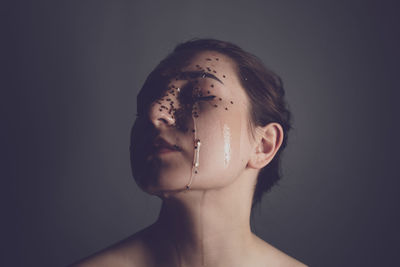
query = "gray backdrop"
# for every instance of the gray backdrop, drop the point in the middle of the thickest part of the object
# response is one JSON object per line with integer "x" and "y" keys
{"x": 72, "y": 70}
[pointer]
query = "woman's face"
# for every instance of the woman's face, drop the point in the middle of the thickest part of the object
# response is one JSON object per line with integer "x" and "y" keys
{"x": 195, "y": 135}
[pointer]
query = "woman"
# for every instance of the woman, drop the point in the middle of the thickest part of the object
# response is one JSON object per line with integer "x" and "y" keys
{"x": 212, "y": 122}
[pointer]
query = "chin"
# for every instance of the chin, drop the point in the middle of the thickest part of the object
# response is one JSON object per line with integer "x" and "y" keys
{"x": 158, "y": 185}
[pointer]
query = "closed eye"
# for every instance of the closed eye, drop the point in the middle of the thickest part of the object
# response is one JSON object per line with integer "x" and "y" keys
{"x": 205, "y": 98}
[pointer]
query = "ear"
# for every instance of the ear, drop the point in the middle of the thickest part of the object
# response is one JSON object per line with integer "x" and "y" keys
{"x": 268, "y": 140}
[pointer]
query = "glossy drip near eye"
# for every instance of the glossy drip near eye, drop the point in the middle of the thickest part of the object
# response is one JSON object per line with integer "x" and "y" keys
{"x": 197, "y": 153}
{"x": 196, "y": 150}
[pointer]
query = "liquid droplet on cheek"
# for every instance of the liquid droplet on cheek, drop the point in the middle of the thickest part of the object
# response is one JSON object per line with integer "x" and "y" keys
{"x": 196, "y": 149}
{"x": 197, "y": 154}
{"x": 227, "y": 145}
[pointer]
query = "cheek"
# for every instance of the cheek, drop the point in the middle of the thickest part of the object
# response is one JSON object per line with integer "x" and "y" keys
{"x": 220, "y": 132}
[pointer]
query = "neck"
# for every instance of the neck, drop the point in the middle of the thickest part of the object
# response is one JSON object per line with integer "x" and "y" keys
{"x": 205, "y": 227}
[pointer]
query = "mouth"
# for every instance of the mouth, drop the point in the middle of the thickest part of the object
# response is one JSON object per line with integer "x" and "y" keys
{"x": 161, "y": 146}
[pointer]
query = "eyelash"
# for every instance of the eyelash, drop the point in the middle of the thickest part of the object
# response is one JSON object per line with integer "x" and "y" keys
{"x": 205, "y": 98}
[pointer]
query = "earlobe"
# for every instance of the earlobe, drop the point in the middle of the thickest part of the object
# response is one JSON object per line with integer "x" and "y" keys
{"x": 268, "y": 141}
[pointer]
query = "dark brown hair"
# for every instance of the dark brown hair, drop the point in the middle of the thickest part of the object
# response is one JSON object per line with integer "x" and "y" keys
{"x": 264, "y": 90}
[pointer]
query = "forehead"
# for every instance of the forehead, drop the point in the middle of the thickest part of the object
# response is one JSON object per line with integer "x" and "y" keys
{"x": 222, "y": 67}
{"x": 222, "y": 64}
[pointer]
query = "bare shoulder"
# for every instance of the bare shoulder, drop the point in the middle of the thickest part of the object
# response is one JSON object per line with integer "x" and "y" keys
{"x": 275, "y": 257}
{"x": 130, "y": 252}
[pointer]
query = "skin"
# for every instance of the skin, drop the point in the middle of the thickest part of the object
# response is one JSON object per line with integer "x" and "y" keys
{"x": 209, "y": 224}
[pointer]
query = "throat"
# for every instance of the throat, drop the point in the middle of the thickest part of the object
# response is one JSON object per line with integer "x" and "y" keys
{"x": 199, "y": 234}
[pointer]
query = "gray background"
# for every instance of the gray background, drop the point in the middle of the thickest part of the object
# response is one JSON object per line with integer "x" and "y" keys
{"x": 72, "y": 70}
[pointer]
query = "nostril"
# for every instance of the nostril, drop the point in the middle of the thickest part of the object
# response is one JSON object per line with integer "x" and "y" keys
{"x": 164, "y": 120}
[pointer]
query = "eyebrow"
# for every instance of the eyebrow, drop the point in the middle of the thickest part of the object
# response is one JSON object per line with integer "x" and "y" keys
{"x": 199, "y": 74}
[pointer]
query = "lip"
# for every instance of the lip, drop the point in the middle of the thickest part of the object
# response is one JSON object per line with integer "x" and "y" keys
{"x": 161, "y": 146}
{"x": 165, "y": 151}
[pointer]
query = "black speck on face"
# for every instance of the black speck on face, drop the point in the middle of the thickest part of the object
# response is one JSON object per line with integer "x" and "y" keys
{"x": 223, "y": 76}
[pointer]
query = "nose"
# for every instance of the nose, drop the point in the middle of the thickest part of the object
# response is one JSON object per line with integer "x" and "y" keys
{"x": 161, "y": 114}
